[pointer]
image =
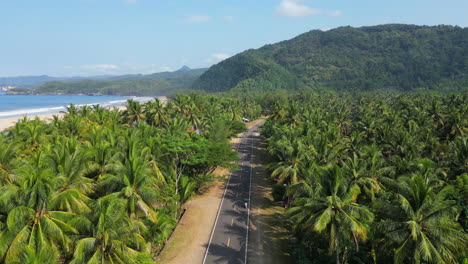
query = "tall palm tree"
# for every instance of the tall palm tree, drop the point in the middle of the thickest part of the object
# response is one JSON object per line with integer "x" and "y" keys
{"x": 326, "y": 205}
{"x": 292, "y": 159}
{"x": 135, "y": 180}
{"x": 31, "y": 224}
{"x": 114, "y": 237}
{"x": 71, "y": 110}
{"x": 7, "y": 160}
{"x": 134, "y": 112}
{"x": 68, "y": 159}
{"x": 156, "y": 113}
{"x": 356, "y": 170}
{"x": 425, "y": 230}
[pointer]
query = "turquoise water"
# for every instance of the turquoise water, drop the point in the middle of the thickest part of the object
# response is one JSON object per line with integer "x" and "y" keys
{"x": 19, "y": 105}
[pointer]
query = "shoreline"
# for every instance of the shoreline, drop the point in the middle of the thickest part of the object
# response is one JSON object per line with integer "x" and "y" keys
{"x": 7, "y": 122}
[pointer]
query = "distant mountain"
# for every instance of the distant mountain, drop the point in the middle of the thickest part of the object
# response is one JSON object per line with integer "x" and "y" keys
{"x": 182, "y": 72}
{"x": 184, "y": 68}
{"x": 31, "y": 81}
{"x": 396, "y": 56}
{"x": 135, "y": 84}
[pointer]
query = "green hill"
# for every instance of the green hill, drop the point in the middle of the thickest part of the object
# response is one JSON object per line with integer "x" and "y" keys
{"x": 141, "y": 85}
{"x": 403, "y": 57}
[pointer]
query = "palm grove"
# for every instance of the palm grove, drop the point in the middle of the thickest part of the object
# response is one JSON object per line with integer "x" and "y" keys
{"x": 106, "y": 186}
{"x": 372, "y": 178}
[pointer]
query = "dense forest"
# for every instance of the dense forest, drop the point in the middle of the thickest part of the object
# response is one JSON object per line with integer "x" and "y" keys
{"x": 106, "y": 186}
{"x": 139, "y": 85}
{"x": 394, "y": 56}
{"x": 372, "y": 178}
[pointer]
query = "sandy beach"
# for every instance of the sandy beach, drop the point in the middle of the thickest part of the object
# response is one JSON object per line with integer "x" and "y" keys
{"x": 11, "y": 121}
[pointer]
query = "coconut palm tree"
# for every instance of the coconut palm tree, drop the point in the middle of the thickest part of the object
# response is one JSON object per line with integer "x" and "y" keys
{"x": 327, "y": 206}
{"x": 292, "y": 158}
{"x": 134, "y": 112}
{"x": 114, "y": 237}
{"x": 32, "y": 224}
{"x": 356, "y": 170}
{"x": 7, "y": 160}
{"x": 156, "y": 113}
{"x": 136, "y": 180}
{"x": 425, "y": 230}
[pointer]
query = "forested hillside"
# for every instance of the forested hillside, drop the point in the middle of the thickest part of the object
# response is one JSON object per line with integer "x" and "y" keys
{"x": 140, "y": 85}
{"x": 403, "y": 57}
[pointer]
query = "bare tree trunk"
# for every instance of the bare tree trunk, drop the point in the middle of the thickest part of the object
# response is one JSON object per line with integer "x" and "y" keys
{"x": 345, "y": 253}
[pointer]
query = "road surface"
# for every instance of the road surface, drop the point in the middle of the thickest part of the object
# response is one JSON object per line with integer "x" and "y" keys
{"x": 229, "y": 238}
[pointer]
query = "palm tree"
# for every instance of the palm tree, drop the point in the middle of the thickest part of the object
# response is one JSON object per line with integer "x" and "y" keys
{"x": 67, "y": 159}
{"x": 156, "y": 113}
{"x": 425, "y": 230}
{"x": 31, "y": 132}
{"x": 71, "y": 110}
{"x": 326, "y": 205}
{"x": 134, "y": 112}
{"x": 135, "y": 180}
{"x": 7, "y": 159}
{"x": 114, "y": 237}
{"x": 356, "y": 170}
{"x": 31, "y": 224}
{"x": 292, "y": 157}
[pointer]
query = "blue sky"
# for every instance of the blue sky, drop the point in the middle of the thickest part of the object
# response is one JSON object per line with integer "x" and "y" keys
{"x": 94, "y": 37}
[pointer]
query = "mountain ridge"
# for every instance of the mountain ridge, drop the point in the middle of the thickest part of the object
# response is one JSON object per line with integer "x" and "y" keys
{"x": 30, "y": 81}
{"x": 154, "y": 84}
{"x": 392, "y": 56}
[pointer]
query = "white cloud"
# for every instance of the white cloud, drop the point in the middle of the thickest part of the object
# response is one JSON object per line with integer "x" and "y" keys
{"x": 196, "y": 19}
{"x": 217, "y": 57}
{"x": 221, "y": 56}
{"x": 100, "y": 67}
{"x": 335, "y": 13}
{"x": 293, "y": 8}
{"x": 112, "y": 69}
{"x": 165, "y": 68}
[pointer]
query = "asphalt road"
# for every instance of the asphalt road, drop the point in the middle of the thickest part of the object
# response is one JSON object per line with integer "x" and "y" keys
{"x": 229, "y": 238}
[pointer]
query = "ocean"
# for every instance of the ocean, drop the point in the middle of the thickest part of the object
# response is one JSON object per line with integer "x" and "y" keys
{"x": 20, "y": 105}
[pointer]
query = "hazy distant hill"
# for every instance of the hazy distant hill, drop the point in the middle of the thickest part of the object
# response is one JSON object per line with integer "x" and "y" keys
{"x": 185, "y": 71}
{"x": 31, "y": 81}
{"x": 142, "y": 85}
{"x": 395, "y": 56}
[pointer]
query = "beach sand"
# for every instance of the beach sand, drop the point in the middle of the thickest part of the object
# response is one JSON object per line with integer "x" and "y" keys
{"x": 8, "y": 122}
{"x": 11, "y": 121}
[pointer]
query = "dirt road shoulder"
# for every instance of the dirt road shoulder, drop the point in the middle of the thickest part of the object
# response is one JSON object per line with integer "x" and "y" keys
{"x": 188, "y": 242}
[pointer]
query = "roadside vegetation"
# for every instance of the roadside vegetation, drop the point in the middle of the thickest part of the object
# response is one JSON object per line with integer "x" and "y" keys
{"x": 107, "y": 186}
{"x": 372, "y": 178}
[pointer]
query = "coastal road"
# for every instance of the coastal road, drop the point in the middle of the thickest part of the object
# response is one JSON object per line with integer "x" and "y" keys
{"x": 229, "y": 238}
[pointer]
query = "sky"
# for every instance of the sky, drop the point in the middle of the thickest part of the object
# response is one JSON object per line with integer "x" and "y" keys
{"x": 110, "y": 37}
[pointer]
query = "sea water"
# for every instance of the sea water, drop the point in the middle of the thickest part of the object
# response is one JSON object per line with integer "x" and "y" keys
{"x": 20, "y": 105}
